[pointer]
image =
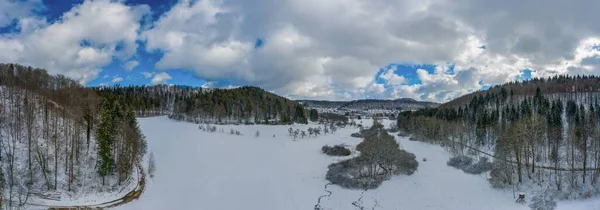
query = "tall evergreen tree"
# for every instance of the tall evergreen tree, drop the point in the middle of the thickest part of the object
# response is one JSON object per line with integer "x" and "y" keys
{"x": 299, "y": 116}
{"x": 104, "y": 137}
{"x": 314, "y": 115}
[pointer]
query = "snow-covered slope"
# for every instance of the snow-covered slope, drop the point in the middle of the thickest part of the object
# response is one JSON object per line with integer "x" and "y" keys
{"x": 201, "y": 170}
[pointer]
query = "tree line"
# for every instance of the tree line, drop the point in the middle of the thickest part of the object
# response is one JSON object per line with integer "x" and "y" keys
{"x": 548, "y": 138}
{"x": 56, "y": 135}
{"x": 200, "y": 105}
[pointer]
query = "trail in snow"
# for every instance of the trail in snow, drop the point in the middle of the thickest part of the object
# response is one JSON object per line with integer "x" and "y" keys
{"x": 318, "y": 205}
{"x": 359, "y": 203}
{"x": 376, "y": 205}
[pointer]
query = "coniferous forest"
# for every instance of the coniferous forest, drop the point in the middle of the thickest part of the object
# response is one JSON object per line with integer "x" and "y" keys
{"x": 541, "y": 133}
{"x": 194, "y": 104}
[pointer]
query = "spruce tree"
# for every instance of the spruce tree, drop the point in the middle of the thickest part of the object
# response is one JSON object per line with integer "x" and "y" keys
{"x": 299, "y": 116}
{"x": 104, "y": 137}
{"x": 314, "y": 115}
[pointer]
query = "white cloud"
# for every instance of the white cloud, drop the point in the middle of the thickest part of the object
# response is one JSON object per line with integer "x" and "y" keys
{"x": 117, "y": 79}
{"x": 160, "y": 78}
{"x": 208, "y": 84}
{"x": 390, "y": 76}
{"x": 311, "y": 48}
{"x": 83, "y": 40}
{"x": 318, "y": 49}
{"x": 147, "y": 74}
{"x": 14, "y": 10}
{"x": 130, "y": 65}
{"x": 334, "y": 49}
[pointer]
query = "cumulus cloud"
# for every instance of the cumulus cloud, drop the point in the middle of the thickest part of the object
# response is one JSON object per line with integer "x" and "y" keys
{"x": 335, "y": 49}
{"x": 302, "y": 55}
{"x": 147, "y": 74}
{"x": 15, "y": 10}
{"x": 117, "y": 79}
{"x": 130, "y": 65}
{"x": 390, "y": 76}
{"x": 160, "y": 78}
{"x": 80, "y": 42}
{"x": 315, "y": 49}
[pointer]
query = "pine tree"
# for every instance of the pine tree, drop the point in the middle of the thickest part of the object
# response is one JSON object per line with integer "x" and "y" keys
{"x": 314, "y": 115}
{"x": 299, "y": 116}
{"x": 104, "y": 137}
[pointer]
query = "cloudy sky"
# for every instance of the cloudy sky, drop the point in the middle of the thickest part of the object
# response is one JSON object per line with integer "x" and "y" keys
{"x": 306, "y": 49}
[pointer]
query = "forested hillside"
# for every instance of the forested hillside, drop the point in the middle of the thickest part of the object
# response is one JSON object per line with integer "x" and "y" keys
{"x": 57, "y": 136}
{"x": 239, "y": 105}
{"x": 398, "y": 104}
{"x": 562, "y": 85}
{"x": 544, "y": 134}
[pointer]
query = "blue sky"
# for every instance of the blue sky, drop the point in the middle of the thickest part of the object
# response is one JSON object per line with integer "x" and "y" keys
{"x": 336, "y": 50}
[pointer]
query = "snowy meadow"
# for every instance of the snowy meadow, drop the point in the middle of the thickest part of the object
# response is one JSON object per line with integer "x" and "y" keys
{"x": 218, "y": 170}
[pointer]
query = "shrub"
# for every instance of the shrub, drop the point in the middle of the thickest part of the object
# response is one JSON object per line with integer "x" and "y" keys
{"x": 337, "y": 150}
{"x": 151, "y": 165}
{"x": 402, "y": 134}
{"x": 542, "y": 202}
{"x": 407, "y": 163}
{"x": 347, "y": 175}
{"x": 393, "y": 128}
{"x": 483, "y": 165}
{"x": 460, "y": 161}
{"x": 212, "y": 129}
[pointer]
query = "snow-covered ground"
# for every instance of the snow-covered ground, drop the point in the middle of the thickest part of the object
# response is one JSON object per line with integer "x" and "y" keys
{"x": 201, "y": 170}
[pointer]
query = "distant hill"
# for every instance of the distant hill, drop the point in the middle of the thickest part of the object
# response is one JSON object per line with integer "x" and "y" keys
{"x": 565, "y": 87}
{"x": 397, "y": 104}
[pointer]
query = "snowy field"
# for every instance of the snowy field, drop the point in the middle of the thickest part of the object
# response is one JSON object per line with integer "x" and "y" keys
{"x": 201, "y": 170}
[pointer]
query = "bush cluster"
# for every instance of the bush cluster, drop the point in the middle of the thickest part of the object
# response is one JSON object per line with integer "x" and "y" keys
{"x": 337, "y": 150}
{"x": 465, "y": 163}
{"x": 380, "y": 158}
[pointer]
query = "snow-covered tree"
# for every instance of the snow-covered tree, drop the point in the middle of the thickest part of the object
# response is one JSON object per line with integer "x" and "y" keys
{"x": 151, "y": 165}
{"x": 542, "y": 202}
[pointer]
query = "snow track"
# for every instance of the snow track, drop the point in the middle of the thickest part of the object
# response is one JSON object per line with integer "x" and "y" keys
{"x": 359, "y": 203}
{"x": 318, "y": 205}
